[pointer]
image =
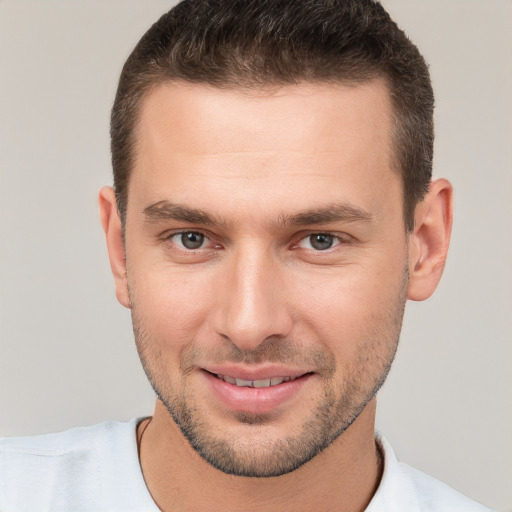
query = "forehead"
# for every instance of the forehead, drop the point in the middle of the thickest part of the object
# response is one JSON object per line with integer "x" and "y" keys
{"x": 274, "y": 119}
{"x": 325, "y": 140}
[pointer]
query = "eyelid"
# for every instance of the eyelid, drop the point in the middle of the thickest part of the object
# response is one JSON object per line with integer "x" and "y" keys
{"x": 169, "y": 235}
{"x": 342, "y": 239}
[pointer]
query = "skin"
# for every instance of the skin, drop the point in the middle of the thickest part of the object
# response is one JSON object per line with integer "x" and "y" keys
{"x": 257, "y": 293}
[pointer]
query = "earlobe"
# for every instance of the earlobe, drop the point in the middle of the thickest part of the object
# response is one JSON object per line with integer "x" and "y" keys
{"x": 112, "y": 227}
{"x": 430, "y": 239}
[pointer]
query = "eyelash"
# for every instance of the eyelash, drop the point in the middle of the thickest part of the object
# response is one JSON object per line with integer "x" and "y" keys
{"x": 337, "y": 240}
{"x": 170, "y": 237}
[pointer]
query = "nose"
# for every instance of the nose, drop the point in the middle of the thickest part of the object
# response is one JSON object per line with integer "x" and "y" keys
{"x": 251, "y": 302}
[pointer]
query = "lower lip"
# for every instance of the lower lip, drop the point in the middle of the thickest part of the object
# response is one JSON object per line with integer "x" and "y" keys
{"x": 254, "y": 400}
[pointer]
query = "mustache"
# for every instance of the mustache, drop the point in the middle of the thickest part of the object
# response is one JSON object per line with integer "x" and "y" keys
{"x": 272, "y": 350}
{"x": 277, "y": 350}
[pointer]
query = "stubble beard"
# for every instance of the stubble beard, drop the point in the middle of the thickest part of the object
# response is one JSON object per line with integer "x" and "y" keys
{"x": 255, "y": 454}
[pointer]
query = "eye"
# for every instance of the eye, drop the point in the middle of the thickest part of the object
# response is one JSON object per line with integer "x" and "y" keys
{"x": 189, "y": 240}
{"x": 319, "y": 242}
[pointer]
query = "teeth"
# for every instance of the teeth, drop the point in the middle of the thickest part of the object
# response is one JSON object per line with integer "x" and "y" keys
{"x": 262, "y": 383}
{"x": 244, "y": 383}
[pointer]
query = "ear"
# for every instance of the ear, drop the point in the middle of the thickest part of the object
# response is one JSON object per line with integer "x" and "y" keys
{"x": 430, "y": 239}
{"x": 114, "y": 234}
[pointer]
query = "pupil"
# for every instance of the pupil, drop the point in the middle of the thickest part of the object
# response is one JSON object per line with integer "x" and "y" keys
{"x": 192, "y": 240}
{"x": 321, "y": 242}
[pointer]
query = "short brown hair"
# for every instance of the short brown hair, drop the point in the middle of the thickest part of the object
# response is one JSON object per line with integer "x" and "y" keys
{"x": 259, "y": 43}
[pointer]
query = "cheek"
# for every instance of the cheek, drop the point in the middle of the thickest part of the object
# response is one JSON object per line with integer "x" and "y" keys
{"x": 352, "y": 307}
{"x": 171, "y": 303}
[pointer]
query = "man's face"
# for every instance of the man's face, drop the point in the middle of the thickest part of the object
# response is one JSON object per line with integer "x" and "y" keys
{"x": 266, "y": 265}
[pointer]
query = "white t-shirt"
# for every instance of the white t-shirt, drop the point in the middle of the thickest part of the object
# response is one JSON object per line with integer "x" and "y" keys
{"x": 96, "y": 469}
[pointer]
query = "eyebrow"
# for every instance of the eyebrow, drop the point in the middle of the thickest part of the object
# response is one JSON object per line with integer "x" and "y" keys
{"x": 166, "y": 210}
{"x": 338, "y": 212}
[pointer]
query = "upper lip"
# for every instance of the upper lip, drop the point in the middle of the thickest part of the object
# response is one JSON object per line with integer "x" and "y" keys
{"x": 256, "y": 373}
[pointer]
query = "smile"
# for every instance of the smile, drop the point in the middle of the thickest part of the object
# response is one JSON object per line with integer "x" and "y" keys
{"x": 260, "y": 383}
{"x": 259, "y": 391}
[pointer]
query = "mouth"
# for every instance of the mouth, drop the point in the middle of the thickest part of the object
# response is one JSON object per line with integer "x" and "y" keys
{"x": 257, "y": 383}
{"x": 257, "y": 392}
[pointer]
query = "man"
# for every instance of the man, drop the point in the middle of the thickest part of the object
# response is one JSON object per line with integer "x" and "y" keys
{"x": 272, "y": 211}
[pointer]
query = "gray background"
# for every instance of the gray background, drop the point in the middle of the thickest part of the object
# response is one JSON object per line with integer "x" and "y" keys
{"x": 67, "y": 356}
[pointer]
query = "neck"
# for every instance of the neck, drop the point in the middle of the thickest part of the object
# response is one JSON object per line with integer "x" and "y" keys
{"x": 343, "y": 477}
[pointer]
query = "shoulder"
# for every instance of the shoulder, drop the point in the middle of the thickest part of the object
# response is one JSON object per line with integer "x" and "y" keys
{"x": 60, "y": 443}
{"x": 77, "y": 449}
{"x": 404, "y": 488}
{"x": 436, "y": 495}
{"x": 58, "y": 471}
